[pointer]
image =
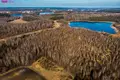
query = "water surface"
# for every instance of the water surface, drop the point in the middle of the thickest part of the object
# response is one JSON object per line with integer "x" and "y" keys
{"x": 16, "y": 15}
{"x": 46, "y": 13}
{"x": 95, "y": 26}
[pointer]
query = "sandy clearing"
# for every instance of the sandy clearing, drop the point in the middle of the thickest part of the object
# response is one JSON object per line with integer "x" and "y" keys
{"x": 18, "y": 21}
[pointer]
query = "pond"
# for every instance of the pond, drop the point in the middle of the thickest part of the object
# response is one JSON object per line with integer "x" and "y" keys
{"x": 16, "y": 15}
{"x": 46, "y": 13}
{"x": 95, "y": 26}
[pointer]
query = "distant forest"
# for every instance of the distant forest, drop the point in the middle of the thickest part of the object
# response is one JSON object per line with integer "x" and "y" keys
{"x": 115, "y": 10}
{"x": 106, "y": 18}
{"x": 4, "y": 15}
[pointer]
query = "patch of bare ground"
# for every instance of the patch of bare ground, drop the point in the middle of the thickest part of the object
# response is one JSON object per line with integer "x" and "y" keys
{"x": 22, "y": 73}
{"x": 116, "y": 35}
{"x": 50, "y": 70}
{"x": 117, "y": 29}
{"x": 21, "y": 21}
{"x": 56, "y": 24}
{"x": 42, "y": 69}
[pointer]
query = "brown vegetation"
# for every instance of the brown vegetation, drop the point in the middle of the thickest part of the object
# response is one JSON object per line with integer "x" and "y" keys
{"x": 31, "y": 18}
{"x": 93, "y": 17}
{"x": 86, "y": 54}
{"x": 7, "y": 30}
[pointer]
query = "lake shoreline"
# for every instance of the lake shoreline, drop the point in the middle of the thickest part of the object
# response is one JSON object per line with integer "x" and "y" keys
{"x": 116, "y": 30}
{"x": 91, "y": 21}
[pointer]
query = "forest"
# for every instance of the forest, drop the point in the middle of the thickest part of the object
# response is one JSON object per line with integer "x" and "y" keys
{"x": 106, "y": 18}
{"x": 92, "y": 17}
{"x": 9, "y": 29}
{"x": 4, "y": 15}
{"x": 86, "y": 54}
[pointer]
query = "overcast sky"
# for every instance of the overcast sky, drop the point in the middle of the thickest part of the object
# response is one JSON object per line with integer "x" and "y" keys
{"x": 61, "y": 3}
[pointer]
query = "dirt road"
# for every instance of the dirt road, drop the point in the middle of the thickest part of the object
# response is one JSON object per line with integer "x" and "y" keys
{"x": 22, "y": 73}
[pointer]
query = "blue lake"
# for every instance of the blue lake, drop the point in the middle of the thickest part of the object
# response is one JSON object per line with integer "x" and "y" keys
{"x": 95, "y": 26}
{"x": 46, "y": 13}
{"x": 16, "y": 15}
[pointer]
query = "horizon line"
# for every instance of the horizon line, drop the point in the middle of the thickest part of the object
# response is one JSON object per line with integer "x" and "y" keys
{"x": 58, "y": 7}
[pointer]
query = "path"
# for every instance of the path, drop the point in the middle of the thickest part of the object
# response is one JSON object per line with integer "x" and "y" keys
{"x": 22, "y": 73}
{"x": 56, "y": 25}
